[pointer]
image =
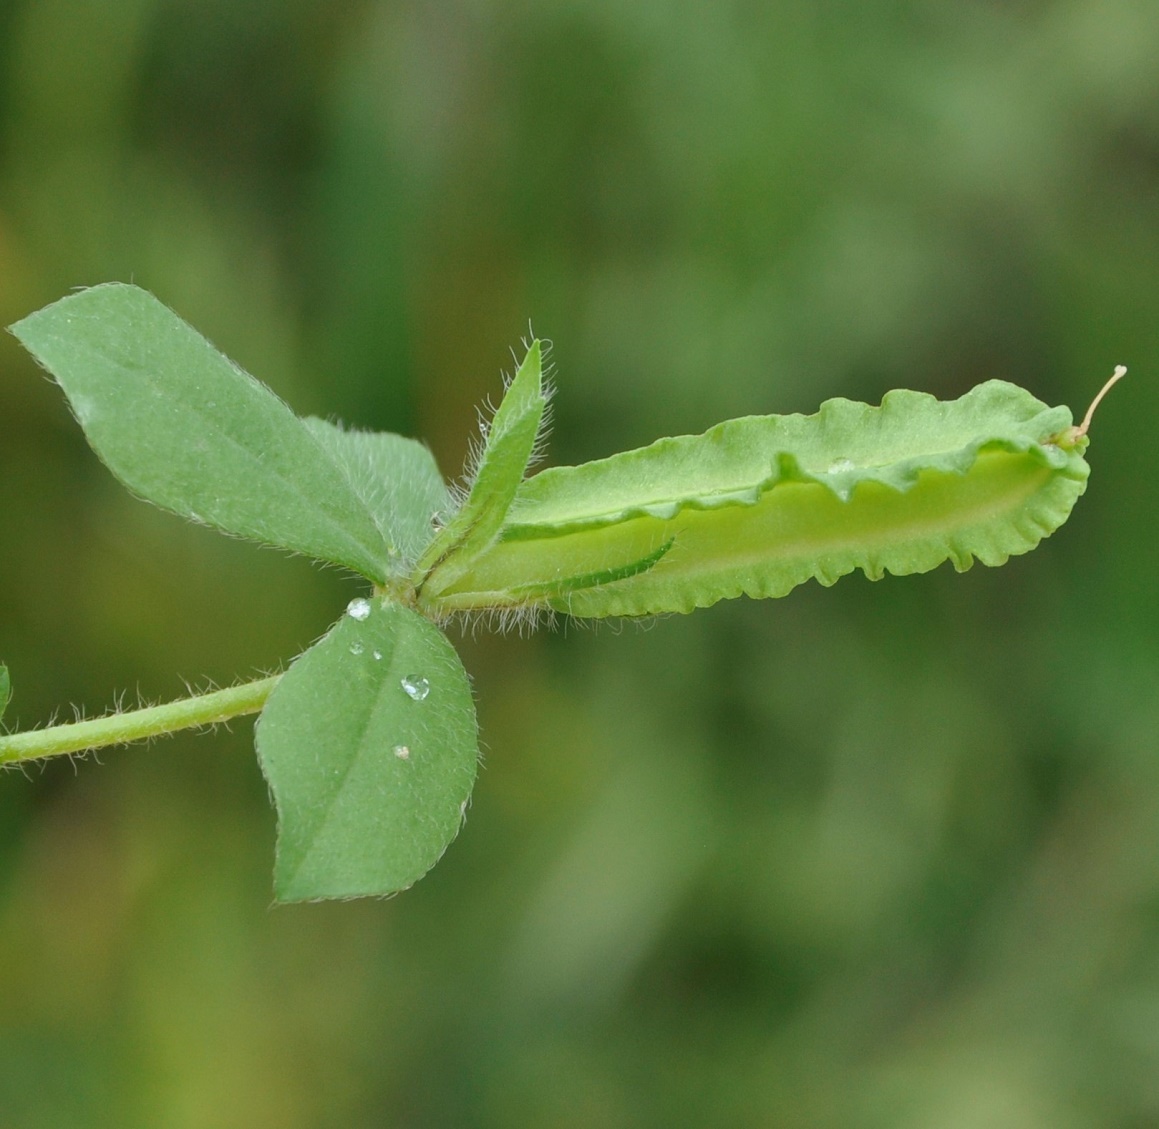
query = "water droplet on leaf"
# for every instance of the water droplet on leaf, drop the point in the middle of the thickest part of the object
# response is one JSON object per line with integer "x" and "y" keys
{"x": 402, "y": 752}
{"x": 358, "y": 609}
{"x": 377, "y": 656}
{"x": 356, "y": 648}
{"x": 416, "y": 688}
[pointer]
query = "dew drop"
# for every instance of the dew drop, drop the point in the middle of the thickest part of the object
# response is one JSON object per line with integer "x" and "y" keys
{"x": 377, "y": 656}
{"x": 402, "y": 752}
{"x": 358, "y": 609}
{"x": 356, "y": 648}
{"x": 416, "y": 688}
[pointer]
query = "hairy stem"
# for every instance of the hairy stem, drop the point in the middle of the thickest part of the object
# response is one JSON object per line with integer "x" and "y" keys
{"x": 136, "y": 725}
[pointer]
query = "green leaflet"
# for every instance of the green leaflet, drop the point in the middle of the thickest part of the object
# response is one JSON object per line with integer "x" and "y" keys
{"x": 510, "y": 444}
{"x": 5, "y": 689}
{"x": 756, "y": 506}
{"x": 397, "y": 480}
{"x": 369, "y": 745}
{"x": 185, "y": 428}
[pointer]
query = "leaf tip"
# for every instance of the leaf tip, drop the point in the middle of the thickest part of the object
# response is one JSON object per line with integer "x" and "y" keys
{"x": 529, "y": 374}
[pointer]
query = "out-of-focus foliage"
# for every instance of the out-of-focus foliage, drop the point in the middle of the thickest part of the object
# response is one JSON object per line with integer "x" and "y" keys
{"x": 886, "y": 855}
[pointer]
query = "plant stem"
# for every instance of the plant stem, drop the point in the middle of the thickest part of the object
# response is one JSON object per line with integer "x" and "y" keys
{"x": 136, "y": 725}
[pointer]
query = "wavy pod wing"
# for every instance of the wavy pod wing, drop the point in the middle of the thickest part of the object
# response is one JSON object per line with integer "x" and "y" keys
{"x": 756, "y": 506}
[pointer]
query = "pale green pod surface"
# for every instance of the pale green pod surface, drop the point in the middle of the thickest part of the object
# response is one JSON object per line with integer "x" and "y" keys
{"x": 756, "y": 506}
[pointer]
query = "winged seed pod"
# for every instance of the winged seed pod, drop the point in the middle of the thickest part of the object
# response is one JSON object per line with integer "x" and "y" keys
{"x": 756, "y": 506}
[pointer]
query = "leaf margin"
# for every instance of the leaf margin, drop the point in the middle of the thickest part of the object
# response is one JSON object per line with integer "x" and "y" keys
{"x": 345, "y": 654}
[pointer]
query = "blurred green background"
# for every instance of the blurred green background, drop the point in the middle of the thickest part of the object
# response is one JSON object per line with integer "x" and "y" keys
{"x": 885, "y": 855}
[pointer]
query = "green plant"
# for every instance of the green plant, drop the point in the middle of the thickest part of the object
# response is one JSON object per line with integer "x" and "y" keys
{"x": 368, "y": 740}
